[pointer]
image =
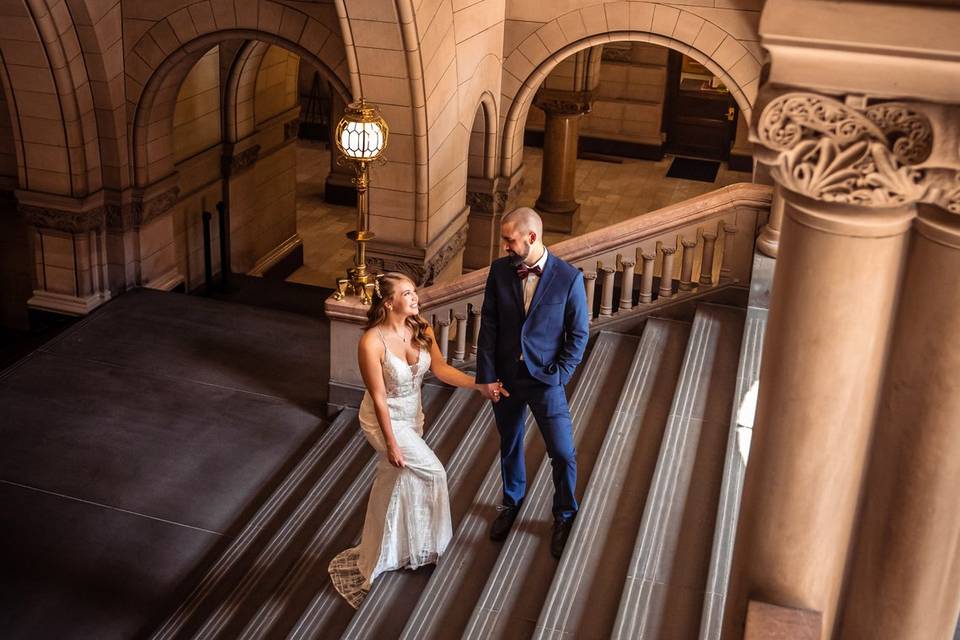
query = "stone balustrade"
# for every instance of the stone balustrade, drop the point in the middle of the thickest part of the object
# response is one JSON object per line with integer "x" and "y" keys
{"x": 702, "y": 242}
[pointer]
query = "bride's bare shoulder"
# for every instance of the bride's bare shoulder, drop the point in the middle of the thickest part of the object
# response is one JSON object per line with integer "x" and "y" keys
{"x": 370, "y": 339}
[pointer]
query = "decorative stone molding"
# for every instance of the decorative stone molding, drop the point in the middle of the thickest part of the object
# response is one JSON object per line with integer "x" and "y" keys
{"x": 483, "y": 202}
{"x": 66, "y": 220}
{"x": 873, "y": 157}
{"x": 423, "y": 274}
{"x": 563, "y": 103}
{"x": 146, "y": 211}
{"x": 616, "y": 54}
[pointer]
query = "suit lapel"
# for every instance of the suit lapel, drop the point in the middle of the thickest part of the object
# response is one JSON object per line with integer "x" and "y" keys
{"x": 516, "y": 287}
{"x": 548, "y": 273}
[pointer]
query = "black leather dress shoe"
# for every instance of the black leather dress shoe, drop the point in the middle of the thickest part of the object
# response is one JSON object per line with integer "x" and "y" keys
{"x": 561, "y": 531}
{"x": 504, "y": 520}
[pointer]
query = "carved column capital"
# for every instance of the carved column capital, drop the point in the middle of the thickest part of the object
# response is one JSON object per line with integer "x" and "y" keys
{"x": 854, "y": 152}
{"x": 422, "y": 273}
{"x": 556, "y": 102}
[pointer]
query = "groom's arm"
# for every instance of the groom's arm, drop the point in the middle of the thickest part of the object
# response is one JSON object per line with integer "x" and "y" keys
{"x": 487, "y": 340}
{"x": 576, "y": 326}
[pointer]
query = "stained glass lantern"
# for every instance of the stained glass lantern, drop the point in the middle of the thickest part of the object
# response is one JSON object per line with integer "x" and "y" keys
{"x": 362, "y": 132}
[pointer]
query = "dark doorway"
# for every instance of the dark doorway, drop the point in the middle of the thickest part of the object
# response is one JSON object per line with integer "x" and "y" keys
{"x": 700, "y": 115}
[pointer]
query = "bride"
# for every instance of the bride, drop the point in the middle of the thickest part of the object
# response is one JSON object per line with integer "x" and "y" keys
{"x": 407, "y": 524}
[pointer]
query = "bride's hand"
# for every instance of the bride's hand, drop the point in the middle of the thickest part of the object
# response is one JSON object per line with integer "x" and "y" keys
{"x": 395, "y": 457}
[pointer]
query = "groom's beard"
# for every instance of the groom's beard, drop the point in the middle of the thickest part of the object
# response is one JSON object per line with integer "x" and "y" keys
{"x": 517, "y": 258}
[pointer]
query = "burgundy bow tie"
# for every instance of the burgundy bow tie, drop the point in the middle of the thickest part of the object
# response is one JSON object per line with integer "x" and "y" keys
{"x": 523, "y": 271}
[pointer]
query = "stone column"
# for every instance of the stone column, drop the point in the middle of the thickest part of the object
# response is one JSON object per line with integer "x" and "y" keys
{"x": 557, "y": 203}
{"x": 769, "y": 239}
{"x": 831, "y": 310}
{"x": 905, "y": 578}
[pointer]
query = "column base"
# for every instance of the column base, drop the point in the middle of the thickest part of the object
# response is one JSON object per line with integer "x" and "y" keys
{"x": 65, "y": 304}
{"x": 769, "y": 241}
{"x": 167, "y": 282}
{"x": 560, "y": 217}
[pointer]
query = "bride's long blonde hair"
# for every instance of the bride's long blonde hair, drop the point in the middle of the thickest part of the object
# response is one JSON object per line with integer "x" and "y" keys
{"x": 377, "y": 315}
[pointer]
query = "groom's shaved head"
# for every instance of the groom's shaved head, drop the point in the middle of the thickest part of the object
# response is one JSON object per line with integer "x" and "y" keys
{"x": 524, "y": 220}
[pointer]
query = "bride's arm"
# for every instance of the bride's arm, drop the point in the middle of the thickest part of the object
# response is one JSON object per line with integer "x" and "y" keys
{"x": 443, "y": 371}
{"x": 370, "y": 355}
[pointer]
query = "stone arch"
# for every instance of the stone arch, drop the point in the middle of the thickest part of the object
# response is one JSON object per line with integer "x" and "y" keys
{"x": 239, "y": 120}
{"x": 483, "y": 139}
{"x": 161, "y": 58}
{"x": 684, "y": 31}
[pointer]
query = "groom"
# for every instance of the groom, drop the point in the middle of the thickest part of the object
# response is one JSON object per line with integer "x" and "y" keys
{"x": 533, "y": 331}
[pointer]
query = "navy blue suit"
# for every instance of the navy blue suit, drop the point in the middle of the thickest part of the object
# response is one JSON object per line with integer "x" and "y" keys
{"x": 552, "y": 337}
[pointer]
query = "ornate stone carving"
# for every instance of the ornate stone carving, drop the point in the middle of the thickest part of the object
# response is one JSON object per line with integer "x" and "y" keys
{"x": 423, "y": 274}
{"x": 148, "y": 210}
{"x": 480, "y": 202}
{"x": 831, "y": 151}
{"x": 240, "y": 161}
{"x": 563, "y": 103}
{"x": 616, "y": 54}
{"x": 291, "y": 129}
{"x": 64, "y": 220}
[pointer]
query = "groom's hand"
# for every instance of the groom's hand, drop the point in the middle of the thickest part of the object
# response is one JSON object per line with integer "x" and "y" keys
{"x": 493, "y": 390}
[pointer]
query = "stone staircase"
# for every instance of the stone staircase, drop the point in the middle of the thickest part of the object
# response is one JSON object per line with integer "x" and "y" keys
{"x": 652, "y": 426}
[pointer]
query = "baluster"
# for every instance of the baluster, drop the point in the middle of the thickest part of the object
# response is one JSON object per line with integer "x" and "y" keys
{"x": 606, "y": 291}
{"x": 461, "y": 349}
{"x": 728, "y": 231}
{"x": 646, "y": 280}
{"x": 666, "y": 272}
{"x": 475, "y": 337}
{"x": 626, "y": 286}
{"x": 686, "y": 264}
{"x": 589, "y": 282}
{"x": 444, "y": 336}
{"x": 706, "y": 261}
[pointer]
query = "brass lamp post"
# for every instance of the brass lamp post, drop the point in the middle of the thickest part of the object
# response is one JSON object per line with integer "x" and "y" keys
{"x": 361, "y": 138}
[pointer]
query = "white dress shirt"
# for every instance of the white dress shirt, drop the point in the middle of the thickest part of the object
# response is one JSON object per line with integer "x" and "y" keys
{"x": 530, "y": 284}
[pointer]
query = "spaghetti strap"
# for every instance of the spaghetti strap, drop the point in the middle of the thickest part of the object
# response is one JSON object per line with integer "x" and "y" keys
{"x": 380, "y": 333}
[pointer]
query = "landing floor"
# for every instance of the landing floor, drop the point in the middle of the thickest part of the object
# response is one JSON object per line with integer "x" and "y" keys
{"x": 134, "y": 445}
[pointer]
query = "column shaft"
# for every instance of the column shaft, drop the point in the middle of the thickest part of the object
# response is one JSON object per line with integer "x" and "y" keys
{"x": 905, "y": 580}
{"x": 830, "y": 314}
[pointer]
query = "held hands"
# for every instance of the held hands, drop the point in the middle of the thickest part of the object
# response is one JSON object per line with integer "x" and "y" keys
{"x": 493, "y": 391}
{"x": 394, "y": 456}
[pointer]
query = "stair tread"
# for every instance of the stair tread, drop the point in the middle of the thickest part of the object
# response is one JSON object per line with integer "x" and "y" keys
{"x": 214, "y": 579}
{"x": 731, "y": 489}
{"x": 664, "y": 588}
{"x": 586, "y": 588}
{"x": 446, "y": 602}
{"x": 284, "y": 597}
{"x": 521, "y": 576}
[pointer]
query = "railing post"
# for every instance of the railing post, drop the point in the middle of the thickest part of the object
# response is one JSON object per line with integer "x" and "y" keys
{"x": 475, "y": 335}
{"x": 606, "y": 291}
{"x": 224, "y": 223}
{"x": 207, "y": 253}
{"x": 706, "y": 260}
{"x": 646, "y": 279}
{"x": 626, "y": 285}
{"x": 666, "y": 272}
{"x": 444, "y": 336}
{"x": 461, "y": 350}
{"x": 589, "y": 283}
{"x": 728, "y": 231}
{"x": 686, "y": 264}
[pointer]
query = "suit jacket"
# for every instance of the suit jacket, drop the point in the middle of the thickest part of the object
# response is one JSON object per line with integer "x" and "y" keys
{"x": 552, "y": 335}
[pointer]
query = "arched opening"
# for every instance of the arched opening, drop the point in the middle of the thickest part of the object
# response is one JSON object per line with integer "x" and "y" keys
{"x": 651, "y": 126}
{"x": 16, "y": 255}
{"x": 483, "y": 220}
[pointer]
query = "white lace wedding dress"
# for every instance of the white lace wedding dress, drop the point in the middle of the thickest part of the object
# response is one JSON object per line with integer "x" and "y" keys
{"x": 408, "y": 515}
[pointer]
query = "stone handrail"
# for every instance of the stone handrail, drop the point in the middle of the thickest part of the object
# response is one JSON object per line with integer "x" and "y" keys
{"x": 716, "y": 229}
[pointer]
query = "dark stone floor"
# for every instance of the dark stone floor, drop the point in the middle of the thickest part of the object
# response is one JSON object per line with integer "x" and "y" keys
{"x": 134, "y": 446}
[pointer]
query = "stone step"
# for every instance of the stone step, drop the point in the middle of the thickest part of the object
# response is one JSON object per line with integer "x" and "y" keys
{"x": 731, "y": 489}
{"x": 586, "y": 589}
{"x": 223, "y": 570}
{"x": 446, "y": 604}
{"x": 519, "y": 582}
{"x": 278, "y": 609}
{"x": 395, "y": 593}
{"x": 666, "y": 579}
